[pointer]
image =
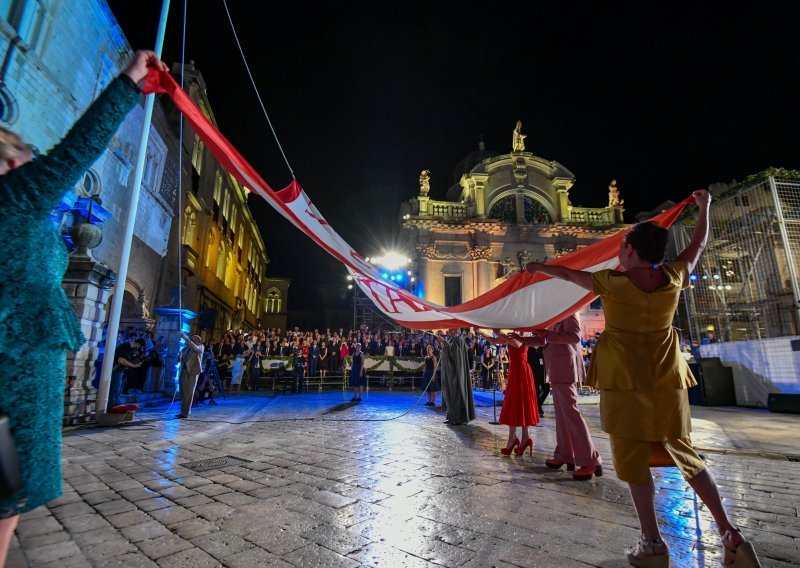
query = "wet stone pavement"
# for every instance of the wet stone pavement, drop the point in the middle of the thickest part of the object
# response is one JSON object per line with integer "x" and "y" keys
{"x": 312, "y": 486}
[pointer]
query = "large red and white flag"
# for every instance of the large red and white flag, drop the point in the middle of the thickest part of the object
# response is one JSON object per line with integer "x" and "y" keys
{"x": 524, "y": 301}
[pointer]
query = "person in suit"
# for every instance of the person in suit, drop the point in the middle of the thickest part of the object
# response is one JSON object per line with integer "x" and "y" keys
{"x": 536, "y": 361}
{"x": 563, "y": 361}
{"x": 191, "y": 359}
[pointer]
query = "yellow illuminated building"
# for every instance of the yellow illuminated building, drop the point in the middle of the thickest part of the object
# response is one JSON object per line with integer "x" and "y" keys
{"x": 223, "y": 257}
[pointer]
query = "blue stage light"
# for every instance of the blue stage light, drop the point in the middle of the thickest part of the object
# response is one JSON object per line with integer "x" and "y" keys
{"x": 398, "y": 277}
{"x": 693, "y": 277}
{"x": 385, "y": 275}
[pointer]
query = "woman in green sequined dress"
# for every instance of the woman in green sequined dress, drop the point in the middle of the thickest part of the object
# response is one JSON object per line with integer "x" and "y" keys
{"x": 37, "y": 323}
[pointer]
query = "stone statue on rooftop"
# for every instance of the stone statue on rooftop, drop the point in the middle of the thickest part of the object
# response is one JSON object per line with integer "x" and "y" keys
{"x": 519, "y": 138}
{"x": 424, "y": 182}
{"x": 613, "y": 195}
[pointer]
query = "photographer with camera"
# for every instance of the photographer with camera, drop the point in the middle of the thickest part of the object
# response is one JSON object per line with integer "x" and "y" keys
{"x": 209, "y": 383}
{"x": 127, "y": 356}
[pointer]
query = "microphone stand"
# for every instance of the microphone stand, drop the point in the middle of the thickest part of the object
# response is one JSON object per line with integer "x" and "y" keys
{"x": 494, "y": 401}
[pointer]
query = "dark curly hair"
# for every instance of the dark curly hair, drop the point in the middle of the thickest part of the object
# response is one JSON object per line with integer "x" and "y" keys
{"x": 649, "y": 240}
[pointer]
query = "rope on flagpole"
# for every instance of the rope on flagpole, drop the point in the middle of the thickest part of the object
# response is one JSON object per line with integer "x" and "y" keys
{"x": 180, "y": 165}
{"x": 255, "y": 88}
{"x": 180, "y": 194}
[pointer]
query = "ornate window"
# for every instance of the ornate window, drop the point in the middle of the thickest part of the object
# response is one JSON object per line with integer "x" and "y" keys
{"x": 189, "y": 224}
{"x": 230, "y": 271}
{"x": 221, "y": 257}
{"x": 505, "y": 210}
{"x": 197, "y": 154}
{"x": 273, "y": 305}
{"x": 210, "y": 249}
{"x": 535, "y": 213}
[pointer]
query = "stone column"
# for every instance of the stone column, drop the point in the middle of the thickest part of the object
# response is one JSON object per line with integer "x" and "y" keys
{"x": 171, "y": 322}
{"x": 484, "y": 275}
{"x": 563, "y": 205}
{"x": 480, "y": 200}
{"x": 87, "y": 284}
{"x": 520, "y": 206}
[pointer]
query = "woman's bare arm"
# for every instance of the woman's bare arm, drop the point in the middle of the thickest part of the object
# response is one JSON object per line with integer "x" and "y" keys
{"x": 691, "y": 254}
{"x": 579, "y": 277}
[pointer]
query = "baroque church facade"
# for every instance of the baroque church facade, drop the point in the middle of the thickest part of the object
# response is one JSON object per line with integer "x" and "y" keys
{"x": 503, "y": 211}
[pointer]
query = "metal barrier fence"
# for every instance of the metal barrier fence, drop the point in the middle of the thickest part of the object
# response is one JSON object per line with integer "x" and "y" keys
{"x": 746, "y": 284}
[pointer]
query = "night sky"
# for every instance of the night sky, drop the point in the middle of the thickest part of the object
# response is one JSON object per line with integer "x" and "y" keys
{"x": 665, "y": 101}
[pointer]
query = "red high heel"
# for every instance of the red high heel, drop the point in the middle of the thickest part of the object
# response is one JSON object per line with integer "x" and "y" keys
{"x": 521, "y": 449}
{"x": 507, "y": 451}
{"x": 553, "y": 463}
{"x": 586, "y": 473}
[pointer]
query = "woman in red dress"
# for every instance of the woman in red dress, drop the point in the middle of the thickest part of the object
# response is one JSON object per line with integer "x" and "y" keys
{"x": 519, "y": 405}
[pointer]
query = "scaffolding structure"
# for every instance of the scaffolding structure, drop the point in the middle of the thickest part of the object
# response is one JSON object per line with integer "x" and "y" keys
{"x": 745, "y": 285}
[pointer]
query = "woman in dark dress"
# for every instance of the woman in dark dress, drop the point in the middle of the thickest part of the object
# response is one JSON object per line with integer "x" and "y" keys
{"x": 487, "y": 366}
{"x": 430, "y": 378}
{"x": 37, "y": 322}
{"x": 323, "y": 359}
{"x": 358, "y": 376}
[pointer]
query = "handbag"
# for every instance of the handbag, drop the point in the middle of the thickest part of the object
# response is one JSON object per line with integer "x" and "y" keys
{"x": 10, "y": 475}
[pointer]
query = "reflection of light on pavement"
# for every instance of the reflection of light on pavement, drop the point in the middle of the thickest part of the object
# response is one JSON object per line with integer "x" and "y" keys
{"x": 170, "y": 430}
{"x": 708, "y": 432}
{"x": 682, "y": 515}
{"x": 391, "y": 530}
{"x": 391, "y": 526}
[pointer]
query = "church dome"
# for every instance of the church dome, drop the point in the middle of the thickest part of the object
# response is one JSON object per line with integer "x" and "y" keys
{"x": 465, "y": 165}
{"x": 469, "y": 161}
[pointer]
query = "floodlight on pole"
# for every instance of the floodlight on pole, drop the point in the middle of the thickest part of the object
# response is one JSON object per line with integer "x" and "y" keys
{"x": 391, "y": 260}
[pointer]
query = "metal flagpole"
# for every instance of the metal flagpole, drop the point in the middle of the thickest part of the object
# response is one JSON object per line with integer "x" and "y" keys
{"x": 122, "y": 273}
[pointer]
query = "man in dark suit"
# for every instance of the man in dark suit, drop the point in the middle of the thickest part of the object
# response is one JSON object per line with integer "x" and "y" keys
{"x": 536, "y": 361}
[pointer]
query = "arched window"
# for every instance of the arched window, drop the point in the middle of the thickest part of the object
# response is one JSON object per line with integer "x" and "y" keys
{"x": 273, "y": 301}
{"x": 210, "y": 248}
{"x": 230, "y": 271}
{"x": 535, "y": 213}
{"x": 505, "y": 210}
{"x": 221, "y": 258}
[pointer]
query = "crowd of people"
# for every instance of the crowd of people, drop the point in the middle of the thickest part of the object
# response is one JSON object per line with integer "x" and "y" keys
{"x": 236, "y": 358}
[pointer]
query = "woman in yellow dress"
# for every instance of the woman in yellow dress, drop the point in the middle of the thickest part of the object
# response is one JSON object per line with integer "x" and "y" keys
{"x": 643, "y": 379}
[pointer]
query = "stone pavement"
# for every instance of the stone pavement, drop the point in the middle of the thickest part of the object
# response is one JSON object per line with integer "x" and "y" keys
{"x": 315, "y": 487}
